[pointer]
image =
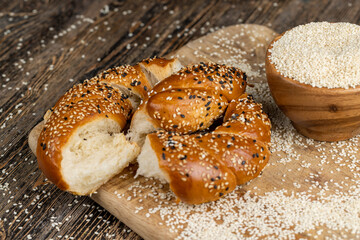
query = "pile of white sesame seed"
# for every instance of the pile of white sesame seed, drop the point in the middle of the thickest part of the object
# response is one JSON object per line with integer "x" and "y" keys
{"x": 321, "y": 54}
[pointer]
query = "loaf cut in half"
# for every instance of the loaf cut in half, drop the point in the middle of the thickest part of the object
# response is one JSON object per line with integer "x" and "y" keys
{"x": 81, "y": 143}
{"x": 95, "y": 153}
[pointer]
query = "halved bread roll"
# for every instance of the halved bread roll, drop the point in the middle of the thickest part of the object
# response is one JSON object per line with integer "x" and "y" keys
{"x": 81, "y": 143}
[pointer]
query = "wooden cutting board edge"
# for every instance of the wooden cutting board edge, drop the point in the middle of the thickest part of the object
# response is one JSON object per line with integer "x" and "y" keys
{"x": 136, "y": 222}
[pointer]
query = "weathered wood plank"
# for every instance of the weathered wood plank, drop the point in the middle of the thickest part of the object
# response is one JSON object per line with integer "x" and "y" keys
{"x": 23, "y": 98}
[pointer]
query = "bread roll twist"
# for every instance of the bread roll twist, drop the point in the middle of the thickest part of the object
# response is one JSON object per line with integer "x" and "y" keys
{"x": 198, "y": 130}
{"x": 199, "y": 164}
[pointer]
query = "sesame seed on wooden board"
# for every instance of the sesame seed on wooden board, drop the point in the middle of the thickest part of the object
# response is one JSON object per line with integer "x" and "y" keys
{"x": 309, "y": 189}
{"x": 43, "y": 35}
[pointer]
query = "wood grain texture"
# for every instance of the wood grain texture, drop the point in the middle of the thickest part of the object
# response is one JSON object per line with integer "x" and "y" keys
{"x": 319, "y": 113}
{"x": 47, "y": 46}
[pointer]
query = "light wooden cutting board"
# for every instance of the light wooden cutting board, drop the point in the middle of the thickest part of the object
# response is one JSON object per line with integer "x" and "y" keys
{"x": 308, "y": 190}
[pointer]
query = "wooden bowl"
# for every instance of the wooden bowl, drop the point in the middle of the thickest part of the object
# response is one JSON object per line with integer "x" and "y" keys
{"x": 320, "y": 113}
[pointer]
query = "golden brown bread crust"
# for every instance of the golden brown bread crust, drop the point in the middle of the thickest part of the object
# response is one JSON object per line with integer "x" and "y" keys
{"x": 160, "y": 68}
{"x": 81, "y": 104}
{"x": 194, "y": 97}
{"x": 195, "y": 175}
{"x": 203, "y": 167}
{"x": 104, "y": 96}
{"x": 228, "y": 81}
{"x": 156, "y": 61}
{"x": 245, "y": 117}
{"x": 130, "y": 77}
{"x": 185, "y": 110}
{"x": 245, "y": 156}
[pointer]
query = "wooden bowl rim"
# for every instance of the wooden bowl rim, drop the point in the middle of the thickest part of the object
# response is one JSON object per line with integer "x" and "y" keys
{"x": 304, "y": 85}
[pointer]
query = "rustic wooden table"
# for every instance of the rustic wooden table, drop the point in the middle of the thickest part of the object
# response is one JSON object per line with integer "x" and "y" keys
{"x": 47, "y": 46}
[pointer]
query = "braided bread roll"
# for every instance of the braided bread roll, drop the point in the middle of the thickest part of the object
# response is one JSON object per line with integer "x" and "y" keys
{"x": 202, "y": 165}
{"x": 188, "y": 101}
{"x": 81, "y": 144}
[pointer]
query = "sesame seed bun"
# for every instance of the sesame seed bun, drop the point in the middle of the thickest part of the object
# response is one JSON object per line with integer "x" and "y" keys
{"x": 199, "y": 164}
{"x": 81, "y": 143}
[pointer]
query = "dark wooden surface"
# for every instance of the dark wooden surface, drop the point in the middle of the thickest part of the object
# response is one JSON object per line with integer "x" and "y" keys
{"x": 47, "y": 46}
